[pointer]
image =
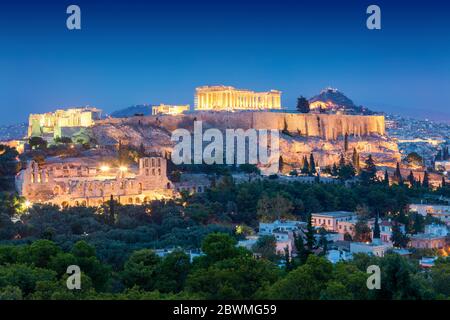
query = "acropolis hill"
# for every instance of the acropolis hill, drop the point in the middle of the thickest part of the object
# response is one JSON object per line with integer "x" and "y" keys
{"x": 321, "y": 134}
{"x": 88, "y": 177}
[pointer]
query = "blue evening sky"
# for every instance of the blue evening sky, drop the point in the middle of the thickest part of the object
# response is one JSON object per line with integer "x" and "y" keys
{"x": 136, "y": 52}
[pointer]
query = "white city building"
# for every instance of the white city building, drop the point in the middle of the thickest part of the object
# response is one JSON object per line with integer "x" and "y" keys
{"x": 372, "y": 248}
{"x": 440, "y": 212}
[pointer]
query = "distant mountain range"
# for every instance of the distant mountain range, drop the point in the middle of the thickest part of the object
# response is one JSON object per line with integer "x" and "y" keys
{"x": 331, "y": 100}
{"x": 145, "y": 109}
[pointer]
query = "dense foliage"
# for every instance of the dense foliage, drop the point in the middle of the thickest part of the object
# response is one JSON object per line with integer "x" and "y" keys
{"x": 113, "y": 245}
{"x": 38, "y": 271}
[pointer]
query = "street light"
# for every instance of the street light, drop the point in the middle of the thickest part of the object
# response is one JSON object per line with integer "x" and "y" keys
{"x": 104, "y": 168}
{"x": 123, "y": 168}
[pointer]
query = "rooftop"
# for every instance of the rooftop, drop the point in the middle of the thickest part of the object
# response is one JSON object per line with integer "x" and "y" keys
{"x": 427, "y": 236}
{"x": 335, "y": 214}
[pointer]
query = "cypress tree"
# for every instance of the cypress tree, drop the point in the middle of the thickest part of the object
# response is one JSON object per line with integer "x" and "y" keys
{"x": 418, "y": 183}
{"x": 305, "y": 169}
{"x": 411, "y": 179}
{"x": 376, "y": 229}
{"x": 280, "y": 164}
{"x": 425, "y": 182}
{"x": 111, "y": 210}
{"x": 312, "y": 164}
{"x": 310, "y": 239}
{"x": 398, "y": 175}
{"x": 386, "y": 177}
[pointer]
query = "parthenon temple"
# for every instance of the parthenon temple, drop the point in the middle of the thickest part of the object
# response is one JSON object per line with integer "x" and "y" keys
{"x": 225, "y": 98}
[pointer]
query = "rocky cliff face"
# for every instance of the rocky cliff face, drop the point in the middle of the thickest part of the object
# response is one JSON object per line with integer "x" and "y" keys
{"x": 326, "y": 153}
{"x": 320, "y": 134}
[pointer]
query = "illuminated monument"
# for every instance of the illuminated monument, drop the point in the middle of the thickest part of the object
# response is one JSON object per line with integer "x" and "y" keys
{"x": 169, "y": 109}
{"x": 84, "y": 181}
{"x": 223, "y": 98}
{"x": 52, "y": 122}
